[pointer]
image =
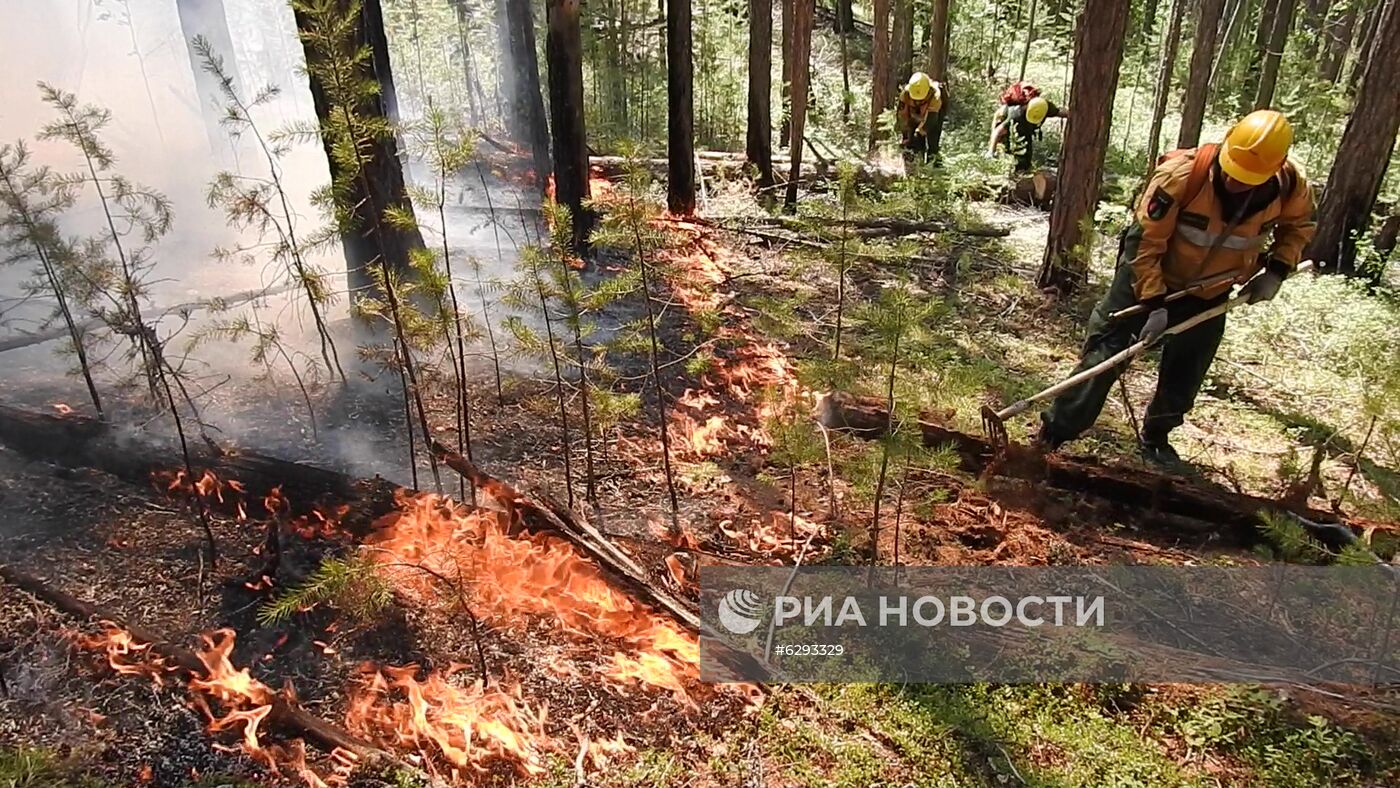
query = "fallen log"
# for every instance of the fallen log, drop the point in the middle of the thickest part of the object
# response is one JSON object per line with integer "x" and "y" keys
{"x": 284, "y": 713}
{"x": 137, "y": 456}
{"x": 1231, "y": 514}
{"x": 894, "y": 226}
{"x": 1036, "y": 190}
{"x": 548, "y": 516}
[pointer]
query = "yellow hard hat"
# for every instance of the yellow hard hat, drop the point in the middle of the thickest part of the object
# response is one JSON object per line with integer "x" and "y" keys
{"x": 1036, "y": 110}
{"x": 919, "y": 86}
{"x": 1256, "y": 147}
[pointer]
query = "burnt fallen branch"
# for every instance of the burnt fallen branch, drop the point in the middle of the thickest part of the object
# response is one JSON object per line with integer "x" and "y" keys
{"x": 889, "y": 225}
{"x": 284, "y": 714}
{"x": 546, "y": 516}
{"x": 135, "y": 455}
{"x": 1160, "y": 496}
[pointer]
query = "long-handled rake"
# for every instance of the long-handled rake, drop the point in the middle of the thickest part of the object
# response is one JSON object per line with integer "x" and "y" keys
{"x": 994, "y": 421}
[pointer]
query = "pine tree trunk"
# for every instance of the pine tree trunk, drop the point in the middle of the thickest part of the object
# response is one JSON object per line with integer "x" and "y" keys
{"x": 1235, "y": 13}
{"x": 759, "y": 137}
{"x": 1314, "y": 20}
{"x": 901, "y": 45}
{"x": 206, "y": 18}
{"x": 680, "y": 116}
{"x": 1193, "y": 107}
{"x": 879, "y": 68}
{"x": 564, "y": 53}
{"x": 520, "y": 81}
{"x": 1363, "y": 48}
{"x": 1149, "y": 19}
{"x": 1263, "y": 31}
{"x": 802, "y": 17}
{"x": 1278, "y": 39}
{"x": 1166, "y": 66}
{"x": 1098, "y": 55}
{"x": 1339, "y": 39}
{"x": 1364, "y": 151}
{"x": 845, "y": 16}
{"x": 383, "y": 173}
{"x": 785, "y": 89}
{"x": 938, "y": 34}
{"x": 1030, "y": 39}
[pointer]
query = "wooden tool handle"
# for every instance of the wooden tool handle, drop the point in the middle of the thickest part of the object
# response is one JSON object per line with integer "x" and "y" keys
{"x": 1120, "y": 357}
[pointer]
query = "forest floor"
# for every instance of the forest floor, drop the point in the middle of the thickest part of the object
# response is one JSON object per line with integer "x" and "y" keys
{"x": 585, "y": 687}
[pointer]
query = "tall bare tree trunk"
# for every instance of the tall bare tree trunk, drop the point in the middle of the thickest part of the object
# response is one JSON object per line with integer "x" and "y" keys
{"x": 938, "y": 34}
{"x": 803, "y": 12}
{"x": 785, "y": 90}
{"x": 1030, "y": 39}
{"x": 1171, "y": 40}
{"x": 879, "y": 68}
{"x": 1314, "y": 20}
{"x": 1149, "y": 18}
{"x": 759, "y": 137}
{"x": 520, "y": 81}
{"x": 680, "y": 103}
{"x": 1339, "y": 37}
{"x": 1364, "y": 151}
{"x": 902, "y": 44}
{"x": 1263, "y": 30}
{"x": 384, "y": 172}
{"x": 1235, "y": 13}
{"x": 1363, "y": 48}
{"x": 564, "y": 53}
{"x": 1193, "y": 106}
{"x": 1098, "y": 54}
{"x": 845, "y": 16}
{"x": 206, "y": 18}
{"x": 1278, "y": 39}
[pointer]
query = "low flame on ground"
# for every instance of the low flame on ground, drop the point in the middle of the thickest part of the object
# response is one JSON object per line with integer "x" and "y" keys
{"x": 779, "y": 535}
{"x": 469, "y": 726}
{"x": 516, "y": 578}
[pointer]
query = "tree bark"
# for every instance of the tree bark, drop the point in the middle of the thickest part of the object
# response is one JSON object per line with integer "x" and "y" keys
{"x": 1339, "y": 38}
{"x": 1235, "y": 13}
{"x": 879, "y": 68}
{"x": 1314, "y": 21}
{"x": 1363, "y": 48}
{"x": 383, "y": 172}
{"x": 1278, "y": 39}
{"x": 902, "y": 45}
{"x": 1193, "y": 109}
{"x": 938, "y": 36}
{"x": 680, "y": 115}
{"x": 759, "y": 137}
{"x": 1171, "y": 40}
{"x": 520, "y": 80}
{"x": 206, "y": 18}
{"x": 564, "y": 52}
{"x": 785, "y": 89}
{"x": 802, "y": 15}
{"x": 1030, "y": 39}
{"x": 1098, "y": 53}
{"x": 1263, "y": 30}
{"x": 845, "y": 20}
{"x": 1364, "y": 151}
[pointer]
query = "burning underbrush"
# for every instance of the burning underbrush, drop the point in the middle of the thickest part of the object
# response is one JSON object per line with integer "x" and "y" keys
{"x": 460, "y": 721}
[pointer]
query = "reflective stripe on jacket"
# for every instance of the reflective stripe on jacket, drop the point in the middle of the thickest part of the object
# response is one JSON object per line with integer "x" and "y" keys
{"x": 1175, "y": 248}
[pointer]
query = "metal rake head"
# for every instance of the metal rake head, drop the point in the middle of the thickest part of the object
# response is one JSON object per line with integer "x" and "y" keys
{"x": 995, "y": 429}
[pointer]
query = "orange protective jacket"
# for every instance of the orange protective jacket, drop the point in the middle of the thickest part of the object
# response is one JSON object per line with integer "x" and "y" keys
{"x": 1175, "y": 248}
{"x": 913, "y": 113}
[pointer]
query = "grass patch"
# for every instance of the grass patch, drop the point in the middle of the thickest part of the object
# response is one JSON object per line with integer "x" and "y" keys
{"x": 37, "y": 767}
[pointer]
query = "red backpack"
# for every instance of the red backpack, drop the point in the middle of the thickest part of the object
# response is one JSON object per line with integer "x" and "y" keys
{"x": 1019, "y": 93}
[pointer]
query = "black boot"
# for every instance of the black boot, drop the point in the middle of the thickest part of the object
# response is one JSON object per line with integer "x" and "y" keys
{"x": 1158, "y": 451}
{"x": 1046, "y": 440}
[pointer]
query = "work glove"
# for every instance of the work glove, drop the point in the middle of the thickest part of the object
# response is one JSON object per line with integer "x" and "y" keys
{"x": 1155, "y": 325}
{"x": 1264, "y": 286}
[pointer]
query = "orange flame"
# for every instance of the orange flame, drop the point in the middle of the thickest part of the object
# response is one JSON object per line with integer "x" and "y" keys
{"x": 516, "y": 578}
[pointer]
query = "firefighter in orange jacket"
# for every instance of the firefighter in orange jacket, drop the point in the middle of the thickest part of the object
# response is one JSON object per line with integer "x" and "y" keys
{"x": 1251, "y": 213}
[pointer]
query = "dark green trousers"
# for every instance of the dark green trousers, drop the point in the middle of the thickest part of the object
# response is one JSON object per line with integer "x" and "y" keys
{"x": 1185, "y": 360}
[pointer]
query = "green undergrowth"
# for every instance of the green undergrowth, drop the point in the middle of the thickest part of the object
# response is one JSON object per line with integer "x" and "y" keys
{"x": 37, "y": 767}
